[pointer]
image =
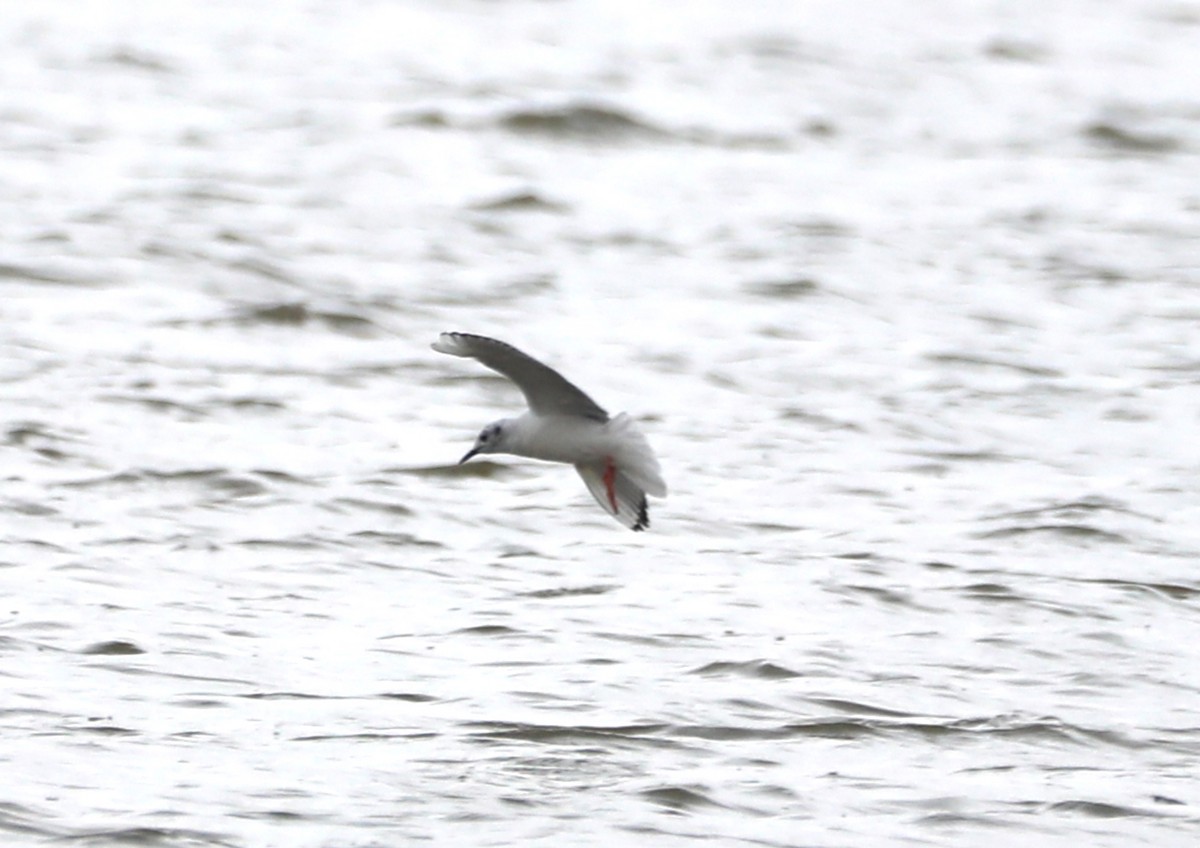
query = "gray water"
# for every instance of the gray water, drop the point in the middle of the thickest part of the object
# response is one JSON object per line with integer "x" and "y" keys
{"x": 906, "y": 296}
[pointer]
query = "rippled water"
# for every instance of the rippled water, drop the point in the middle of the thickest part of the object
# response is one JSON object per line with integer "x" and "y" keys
{"x": 905, "y": 295}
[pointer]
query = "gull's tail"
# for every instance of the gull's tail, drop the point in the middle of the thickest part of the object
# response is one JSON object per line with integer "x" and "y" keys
{"x": 614, "y": 490}
{"x": 621, "y": 482}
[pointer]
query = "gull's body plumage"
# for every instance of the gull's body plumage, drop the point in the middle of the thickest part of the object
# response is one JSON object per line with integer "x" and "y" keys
{"x": 563, "y": 424}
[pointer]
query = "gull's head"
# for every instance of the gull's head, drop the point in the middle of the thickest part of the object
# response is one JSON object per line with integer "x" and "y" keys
{"x": 491, "y": 439}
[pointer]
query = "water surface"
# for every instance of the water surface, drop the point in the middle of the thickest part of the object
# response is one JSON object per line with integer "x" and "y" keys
{"x": 905, "y": 297}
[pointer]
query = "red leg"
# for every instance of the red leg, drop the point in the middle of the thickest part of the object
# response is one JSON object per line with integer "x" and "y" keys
{"x": 610, "y": 483}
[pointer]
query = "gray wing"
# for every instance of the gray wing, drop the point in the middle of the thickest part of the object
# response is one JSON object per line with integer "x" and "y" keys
{"x": 546, "y": 391}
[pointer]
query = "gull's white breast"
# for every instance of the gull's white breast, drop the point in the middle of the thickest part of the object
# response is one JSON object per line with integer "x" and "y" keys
{"x": 562, "y": 438}
{"x": 581, "y": 441}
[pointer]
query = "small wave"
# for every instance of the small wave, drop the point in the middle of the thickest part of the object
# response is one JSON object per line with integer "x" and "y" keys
{"x": 1174, "y": 591}
{"x": 300, "y": 314}
{"x": 104, "y": 730}
{"x": 29, "y": 508}
{"x": 157, "y": 404}
{"x": 1101, "y": 809}
{"x": 19, "y": 819}
{"x": 345, "y": 504}
{"x": 489, "y": 630}
{"x": 992, "y": 591}
{"x": 137, "y": 59}
{"x": 641, "y": 734}
{"x": 976, "y": 361}
{"x": 519, "y": 201}
{"x": 249, "y": 403}
{"x": 605, "y": 123}
{"x": 116, "y": 647}
{"x": 857, "y": 708}
{"x": 664, "y": 640}
{"x": 1044, "y": 729}
{"x": 792, "y": 288}
{"x": 965, "y": 456}
{"x": 680, "y": 797}
{"x": 431, "y": 117}
{"x": 1013, "y": 49}
{"x": 1067, "y": 532}
{"x": 579, "y": 121}
{"x": 568, "y": 592}
{"x": 887, "y": 596}
{"x": 147, "y": 836}
{"x": 753, "y": 668}
{"x": 1090, "y": 505}
{"x": 30, "y": 274}
{"x": 1163, "y": 799}
{"x": 290, "y": 543}
{"x": 1118, "y": 138}
{"x": 957, "y": 819}
{"x": 1072, "y": 521}
{"x": 218, "y": 480}
{"x": 820, "y": 728}
{"x": 409, "y": 697}
{"x": 477, "y": 468}
{"x": 394, "y": 539}
{"x": 1048, "y": 730}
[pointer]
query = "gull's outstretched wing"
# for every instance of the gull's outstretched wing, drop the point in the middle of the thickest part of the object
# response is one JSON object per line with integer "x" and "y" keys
{"x": 546, "y": 391}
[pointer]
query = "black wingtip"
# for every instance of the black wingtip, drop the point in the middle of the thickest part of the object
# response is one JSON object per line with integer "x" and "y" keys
{"x": 643, "y": 517}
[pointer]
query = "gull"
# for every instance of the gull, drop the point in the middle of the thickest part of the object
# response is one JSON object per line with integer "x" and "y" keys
{"x": 565, "y": 425}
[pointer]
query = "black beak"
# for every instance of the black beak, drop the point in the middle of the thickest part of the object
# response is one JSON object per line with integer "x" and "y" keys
{"x": 468, "y": 455}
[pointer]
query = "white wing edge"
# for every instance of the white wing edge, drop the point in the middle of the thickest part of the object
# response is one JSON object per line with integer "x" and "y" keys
{"x": 447, "y": 343}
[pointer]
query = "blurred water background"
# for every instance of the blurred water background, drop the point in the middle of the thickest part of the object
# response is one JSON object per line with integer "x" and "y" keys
{"x": 907, "y": 297}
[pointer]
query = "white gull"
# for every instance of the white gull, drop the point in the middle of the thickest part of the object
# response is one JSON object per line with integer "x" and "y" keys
{"x": 565, "y": 425}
